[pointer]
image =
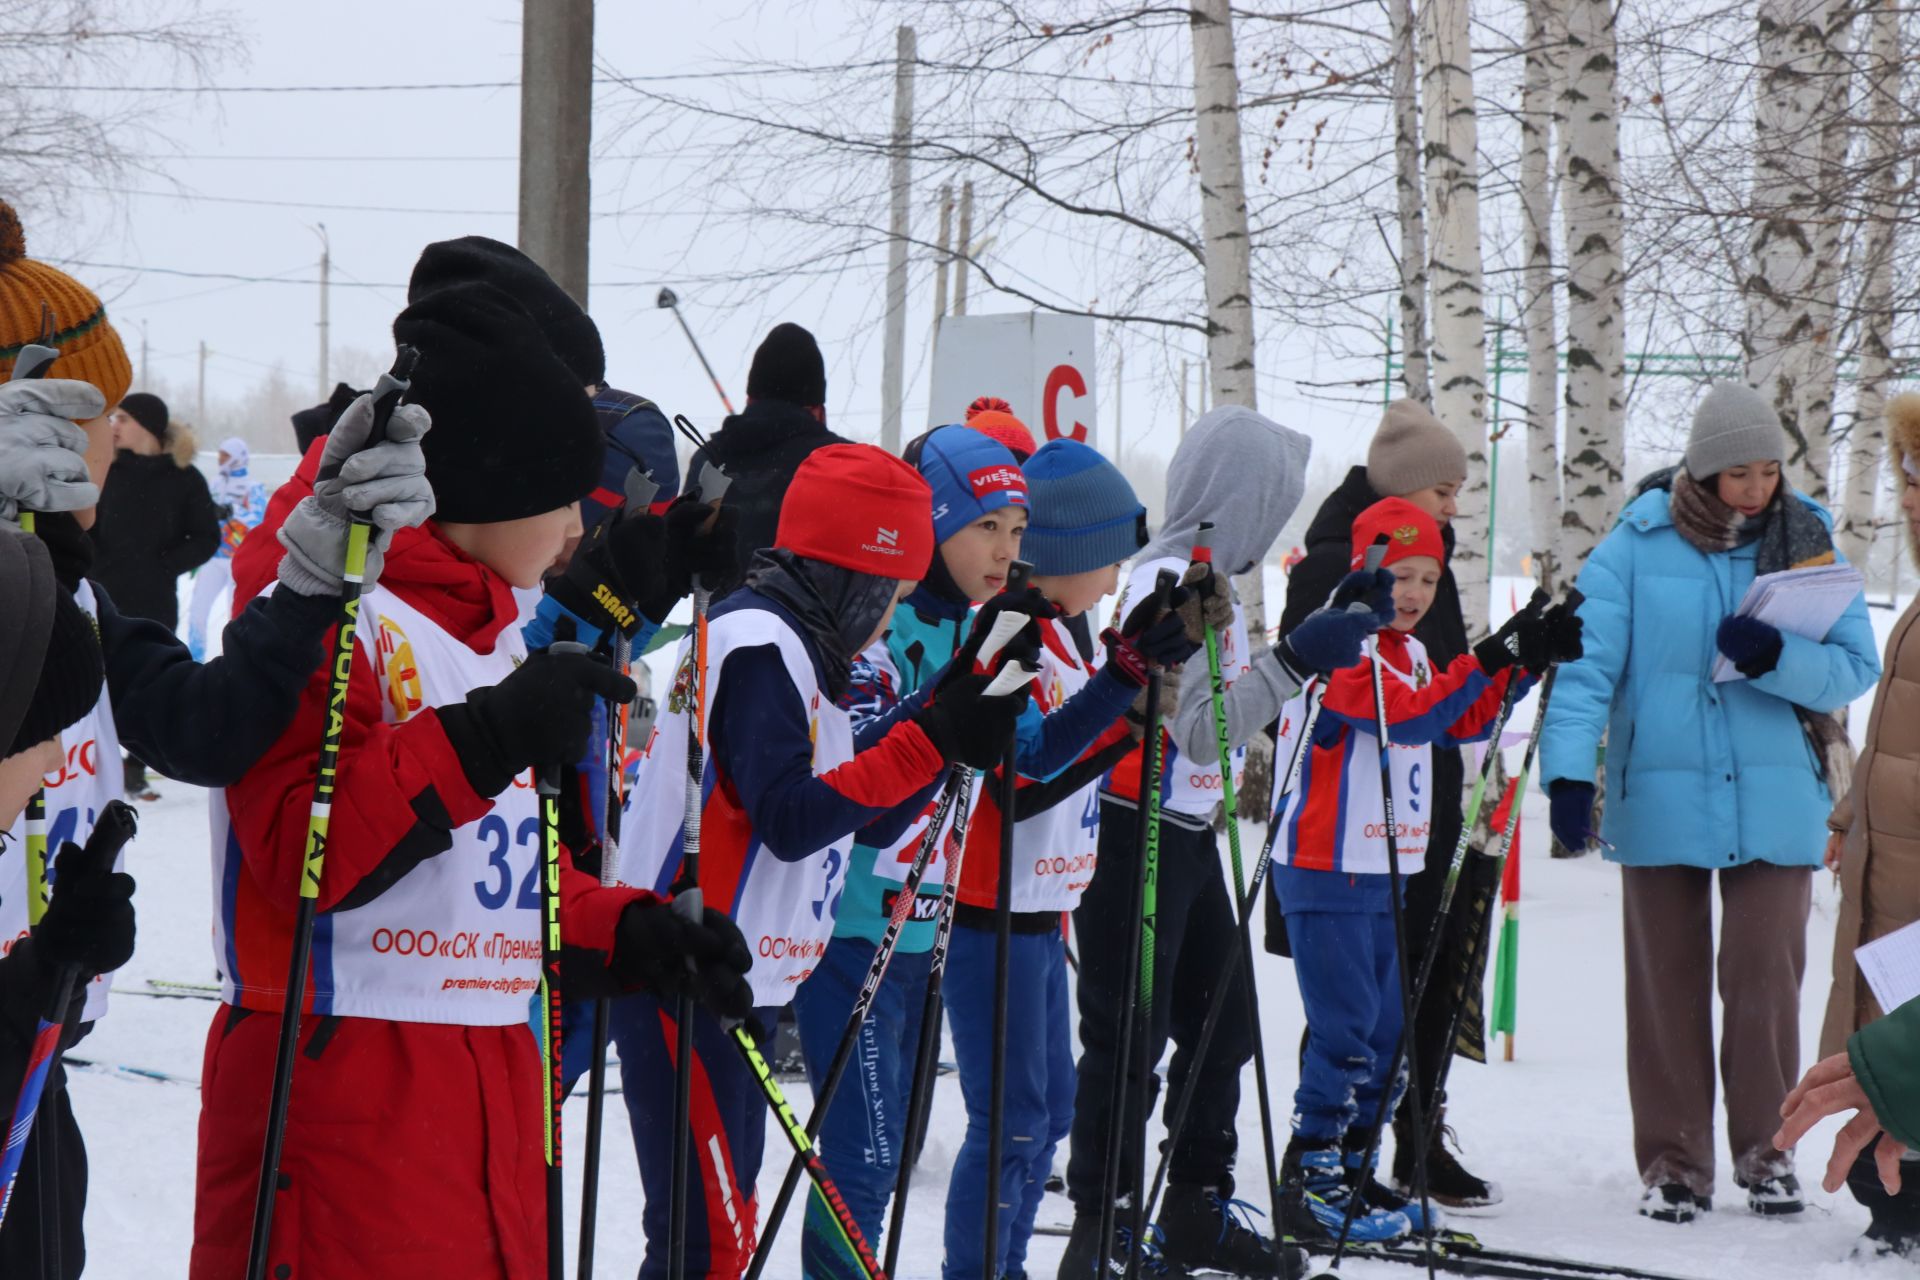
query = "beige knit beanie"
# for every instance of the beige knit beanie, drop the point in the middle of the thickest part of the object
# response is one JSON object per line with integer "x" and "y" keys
{"x": 1412, "y": 451}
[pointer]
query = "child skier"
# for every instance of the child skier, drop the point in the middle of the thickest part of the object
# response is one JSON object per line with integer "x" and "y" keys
{"x": 412, "y": 1143}
{"x": 789, "y": 781}
{"x": 1245, "y": 473}
{"x": 1086, "y": 522}
{"x": 1331, "y": 873}
{"x": 979, "y": 501}
{"x": 243, "y": 504}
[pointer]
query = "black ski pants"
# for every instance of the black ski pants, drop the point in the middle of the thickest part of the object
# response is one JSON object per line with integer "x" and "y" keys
{"x": 1196, "y": 933}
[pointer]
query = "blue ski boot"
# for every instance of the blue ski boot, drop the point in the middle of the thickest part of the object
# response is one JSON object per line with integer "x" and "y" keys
{"x": 1377, "y": 1193}
{"x": 1315, "y": 1197}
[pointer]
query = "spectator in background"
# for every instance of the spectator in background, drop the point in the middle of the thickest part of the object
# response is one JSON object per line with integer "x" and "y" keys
{"x": 241, "y": 502}
{"x": 156, "y": 521}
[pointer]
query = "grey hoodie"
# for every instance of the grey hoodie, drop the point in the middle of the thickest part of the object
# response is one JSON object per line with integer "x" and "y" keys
{"x": 1247, "y": 474}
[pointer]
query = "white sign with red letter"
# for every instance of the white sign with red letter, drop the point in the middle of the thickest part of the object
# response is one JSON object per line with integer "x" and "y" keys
{"x": 1041, "y": 363}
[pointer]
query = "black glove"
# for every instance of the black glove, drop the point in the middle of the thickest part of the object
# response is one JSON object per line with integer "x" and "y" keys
{"x": 1563, "y": 637}
{"x": 1149, "y": 636}
{"x": 542, "y": 714}
{"x": 1751, "y": 645}
{"x": 966, "y": 726}
{"x": 1028, "y": 603}
{"x": 1521, "y": 639}
{"x": 68, "y": 545}
{"x": 657, "y": 948}
{"x": 89, "y": 923}
{"x": 694, "y": 546}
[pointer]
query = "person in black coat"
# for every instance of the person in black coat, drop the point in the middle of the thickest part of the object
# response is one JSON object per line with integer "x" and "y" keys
{"x": 784, "y": 420}
{"x": 1412, "y": 456}
{"x": 156, "y": 519}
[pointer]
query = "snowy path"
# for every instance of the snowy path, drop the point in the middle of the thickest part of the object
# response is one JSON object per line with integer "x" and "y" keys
{"x": 1553, "y": 1127}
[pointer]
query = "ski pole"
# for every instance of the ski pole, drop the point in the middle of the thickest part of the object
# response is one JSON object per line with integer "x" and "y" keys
{"x": 1244, "y": 901}
{"x": 1478, "y": 946}
{"x": 668, "y": 300}
{"x": 30, "y": 364}
{"x": 925, "y": 1064}
{"x": 850, "y": 1233}
{"x": 688, "y": 903}
{"x": 111, "y": 831}
{"x": 1139, "y": 970}
{"x": 957, "y": 779}
{"x": 547, "y": 788}
{"x": 639, "y": 492}
{"x": 386, "y": 396}
{"x": 1409, "y": 1054}
{"x": 1017, "y": 576}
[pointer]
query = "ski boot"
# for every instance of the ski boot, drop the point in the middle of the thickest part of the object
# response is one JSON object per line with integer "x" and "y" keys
{"x": 1448, "y": 1181}
{"x": 1204, "y": 1231}
{"x": 1673, "y": 1202}
{"x": 1314, "y": 1199}
{"x": 1082, "y": 1259}
{"x": 1773, "y": 1197}
{"x": 1362, "y": 1182}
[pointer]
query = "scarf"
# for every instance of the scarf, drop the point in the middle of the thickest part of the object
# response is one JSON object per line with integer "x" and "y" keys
{"x": 839, "y": 608}
{"x": 1787, "y": 535}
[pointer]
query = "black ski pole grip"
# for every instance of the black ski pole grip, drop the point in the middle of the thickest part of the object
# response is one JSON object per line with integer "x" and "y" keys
{"x": 386, "y": 398}
{"x": 1573, "y": 600}
{"x": 116, "y": 825}
{"x": 1019, "y": 573}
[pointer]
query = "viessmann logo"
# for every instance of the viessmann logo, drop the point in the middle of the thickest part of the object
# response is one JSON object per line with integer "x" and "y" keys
{"x": 886, "y": 542}
{"x": 997, "y": 478}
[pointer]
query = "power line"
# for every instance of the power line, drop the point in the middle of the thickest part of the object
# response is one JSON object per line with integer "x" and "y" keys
{"x": 285, "y": 279}
{"x": 444, "y": 86}
{"x": 373, "y": 208}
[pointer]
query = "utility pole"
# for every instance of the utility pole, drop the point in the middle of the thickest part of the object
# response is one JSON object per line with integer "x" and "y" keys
{"x": 893, "y": 348}
{"x": 1186, "y": 376}
{"x": 326, "y": 266}
{"x": 200, "y": 405}
{"x": 966, "y": 249}
{"x": 556, "y": 137}
{"x": 942, "y": 258}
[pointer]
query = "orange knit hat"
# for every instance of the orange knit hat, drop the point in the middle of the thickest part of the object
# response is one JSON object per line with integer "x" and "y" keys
{"x": 993, "y": 417}
{"x": 34, "y": 296}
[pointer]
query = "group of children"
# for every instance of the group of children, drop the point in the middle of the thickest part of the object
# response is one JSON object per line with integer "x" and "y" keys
{"x": 845, "y": 698}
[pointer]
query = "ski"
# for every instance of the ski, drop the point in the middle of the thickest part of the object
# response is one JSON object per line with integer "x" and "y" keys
{"x": 1460, "y": 1253}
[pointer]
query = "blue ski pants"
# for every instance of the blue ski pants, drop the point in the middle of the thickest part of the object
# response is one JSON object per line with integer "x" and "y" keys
{"x": 1349, "y": 975}
{"x": 1038, "y": 1102}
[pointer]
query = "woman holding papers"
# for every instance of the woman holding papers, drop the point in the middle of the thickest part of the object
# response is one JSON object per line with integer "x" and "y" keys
{"x": 1734, "y": 777}
{"x": 1875, "y": 846}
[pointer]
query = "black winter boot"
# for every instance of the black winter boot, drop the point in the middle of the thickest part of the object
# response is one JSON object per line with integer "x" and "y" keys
{"x": 1082, "y": 1260}
{"x": 1205, "y": 1231}
{"x": 1449, "y": 1183}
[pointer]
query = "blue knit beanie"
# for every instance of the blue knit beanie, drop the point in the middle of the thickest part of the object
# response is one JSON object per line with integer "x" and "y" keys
{"x": 970, "y": 476}
{"x": 1085, "y": 515}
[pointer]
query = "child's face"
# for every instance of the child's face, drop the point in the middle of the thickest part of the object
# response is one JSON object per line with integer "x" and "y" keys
{"x": 905, "y": 589}
{"x": 1075, "y": 593}
{"x": 521, "y": 551}
{"x": 1415, "y": 580}
{"x": 977, "y": 557}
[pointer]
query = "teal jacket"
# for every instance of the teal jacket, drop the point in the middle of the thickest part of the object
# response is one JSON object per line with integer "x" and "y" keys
{"x": 1698, "y": 774}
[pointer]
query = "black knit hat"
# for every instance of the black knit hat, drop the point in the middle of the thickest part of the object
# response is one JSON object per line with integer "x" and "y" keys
{"x": 150, "y": 411}
{"x": 50, "y": 664}
{"x": 310, "y": 424}
{"x": 512, "y": 434}
{"x": 788, "y": 367}
{"x": 569, "y": 330}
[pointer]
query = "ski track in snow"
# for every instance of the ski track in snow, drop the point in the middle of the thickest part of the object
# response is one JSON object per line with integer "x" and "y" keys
{"x": 1553, "y": 1127}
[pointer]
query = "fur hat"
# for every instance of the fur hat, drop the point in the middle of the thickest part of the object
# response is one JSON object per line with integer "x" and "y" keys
{"x": 513, "y": 435}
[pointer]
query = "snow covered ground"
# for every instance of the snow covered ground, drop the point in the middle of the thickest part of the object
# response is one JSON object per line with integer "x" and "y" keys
{"x": 1552, "y": 1126}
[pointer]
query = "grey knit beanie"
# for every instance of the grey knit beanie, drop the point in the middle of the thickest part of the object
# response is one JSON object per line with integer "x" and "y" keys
{"x": 1733, "y": 425}
{"x": 1412, "y": 451}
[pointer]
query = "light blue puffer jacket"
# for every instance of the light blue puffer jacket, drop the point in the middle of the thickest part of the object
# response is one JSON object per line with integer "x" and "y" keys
{"x": 1698, "y": 774}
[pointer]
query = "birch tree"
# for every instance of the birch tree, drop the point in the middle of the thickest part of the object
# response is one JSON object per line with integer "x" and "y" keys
{"x": 1410, "y": 208}
{"x": 1883, "y": 162}
{"x": 1545, "y": 65}
{"x": 1596, "y": 447}
{"x": 1783, "y": 273}
{"x": 1458, "y": 348}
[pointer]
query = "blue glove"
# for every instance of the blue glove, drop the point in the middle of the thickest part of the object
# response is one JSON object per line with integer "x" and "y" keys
{"x": 1570, "y": 813}
{"x": 1331, "y": 638}
{"x": 1751, "y": 645}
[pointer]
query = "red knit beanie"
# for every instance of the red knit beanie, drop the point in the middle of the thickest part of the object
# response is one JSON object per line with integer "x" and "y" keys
{"x": 861, "y": 508}
{"x": 993, "y": 417}
{"x": 1410, "y": 532}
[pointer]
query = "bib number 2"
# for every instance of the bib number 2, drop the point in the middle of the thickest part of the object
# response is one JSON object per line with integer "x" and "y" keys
{"x": 494, "y": 890}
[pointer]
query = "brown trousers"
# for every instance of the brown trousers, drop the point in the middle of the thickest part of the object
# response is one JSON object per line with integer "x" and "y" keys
{"x": 1670, "y": 973}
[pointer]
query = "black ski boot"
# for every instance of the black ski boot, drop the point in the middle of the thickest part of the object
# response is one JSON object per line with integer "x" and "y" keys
{"x": 1082, "y": 1259}
{"x": 1204, "y": 1231}
{"x": 1673, "y": 1202}
{"x": 1774, "y": 1197}
{"x": 1449, "y": 1183}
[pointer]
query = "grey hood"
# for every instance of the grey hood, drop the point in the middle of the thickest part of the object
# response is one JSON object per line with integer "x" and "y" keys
{"x": 1244, "y": 472}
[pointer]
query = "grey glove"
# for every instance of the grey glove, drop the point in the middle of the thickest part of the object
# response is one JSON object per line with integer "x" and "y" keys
{"x": 1209, "y": 602}
{"x": 387, "y": 481}
{"x": 43, "y": 455}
